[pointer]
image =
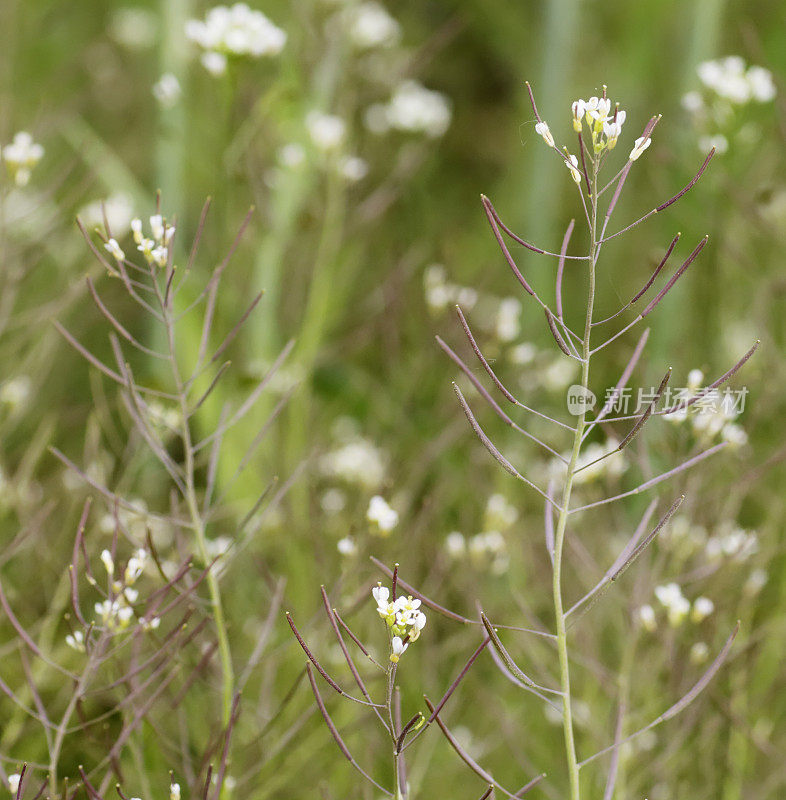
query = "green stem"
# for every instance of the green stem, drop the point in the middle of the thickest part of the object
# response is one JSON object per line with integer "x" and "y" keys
{"x": 562, "y": 522}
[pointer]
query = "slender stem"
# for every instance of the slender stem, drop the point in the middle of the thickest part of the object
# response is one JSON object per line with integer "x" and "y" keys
{"x": 562, "y": 520}
{"x": 198, "y": 525}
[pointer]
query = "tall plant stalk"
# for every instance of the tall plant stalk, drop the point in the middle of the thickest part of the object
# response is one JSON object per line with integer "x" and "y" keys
{"x": 562, "y": 520}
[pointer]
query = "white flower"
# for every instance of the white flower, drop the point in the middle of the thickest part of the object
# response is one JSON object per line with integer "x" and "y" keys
{"x": 542, "y": 129}
{"x": 214, "y": 63}
{"x": 292, "y": 155}
{"x": 397, "y": 647}
{"x": 500, "y": 514}
{"x": 326, "y": 130}
{"x": 572, "y": 164}
{"x": 756, "y": 582}
{"x": 347, "y": 546}
{"x": 21, "y": 156}
{"x": 111, "y": 246}
{"x": 598, "y": 109}
{"x": 671, "y": 598}
{"x": 16, "y": 391}
{"x": 698, "y": 653}
{"x": 612, "y": 129}
{"x": 109, "y": 564}
{"x": 508, "y": 323}
{"x": 455, "y": 544}
{"x": 135, "y": 567}
{"x": 174, "y": 791}
{"x": 167, "y": 90}
{"x": 702, "y": 608}
{"x": 150, "y": 624}
{"x": 385, "y": 608}
{"x": 761, "y": 84}
{"x": 381, "y": 514}
{"x": 353, "y": 168}
{"x": 238, "y": 31}
{"x": 718, "y": 141}
{"x": 728, "y": 78}
{"x": 734, "y": 434}
{"x": 415, "y": 109}
{"x": 578, "y": 109}
{"x": 118, "y": 209}
{"x": 639, "y": 146}
{"x": 76, "y": 641}
{"x": 692, "y": 102}
{"x": 646, "y": 617}
{"x": 13, "y": 782}
{"x": 695, "y": 380}
{"x": 358, "y": 461}
{"x": 370, "y": 25}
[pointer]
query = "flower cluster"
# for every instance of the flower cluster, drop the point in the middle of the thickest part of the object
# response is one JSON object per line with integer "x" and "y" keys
{"x": 604, "y": 121}
{"x": 116, "y": 612}
{"x": 21, "y": 156}
{"x": 404, "y": 619}
{"x": 729, "y": 79}
{"x": 155, "y": 249}
{"x": 234, "y": 31}
{"x": 677, "y": 607}
{"x": 413, "y": 109}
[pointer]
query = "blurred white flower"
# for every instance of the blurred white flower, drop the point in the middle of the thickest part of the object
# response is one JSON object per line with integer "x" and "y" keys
{"x": 134, "y": 27}
{"x": 702, "y": 608}
{"x": 500, "y": 514}
{"x": 381, "y": 515}
{"x": 412, "y": 108}
{"x": 118, "y": 209}
{"x": 358, "y": 461}
{"x": 671, "y": 598}
{"x": 728, "y": 78}
{"x": 695, "y": 380}
{"x": 353, "y": 168}
{"x": 756, "y": 582}
{"x": 76, "y": 641}
{"x": 13, "y": 782}
{"x": 237, "y": 31}
{"x": 174, "y": 791}
{"x": 699, "y": 653}
{"x": 508, "y": 322}
{"x": 645, "y": 615}
{"x": 21, "y": 157}
{"x": 167, "y": 90}
{"x": 370, "y": 25}
{"x": 761, "y": 84}
{"x": 455, "y": 545}
{"x": 718, "y": 141}
{"x": 523, "y": 353}
{"x": 347, "y": 546}
{"x": 214, "y": 63}
{"x": 692, "y": 102}
{"x": 112, "y": 247}
{"x": 490, "y": 550}
{"x": 326, "y": 130}
{"x": 108, "y": 562}
{"x": 16, "y": 391}
{"x": 333, "y": 501}
{"x": 292, "y": 155}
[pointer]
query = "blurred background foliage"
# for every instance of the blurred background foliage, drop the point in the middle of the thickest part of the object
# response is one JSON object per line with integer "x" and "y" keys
{"x": 348, "y": 273}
